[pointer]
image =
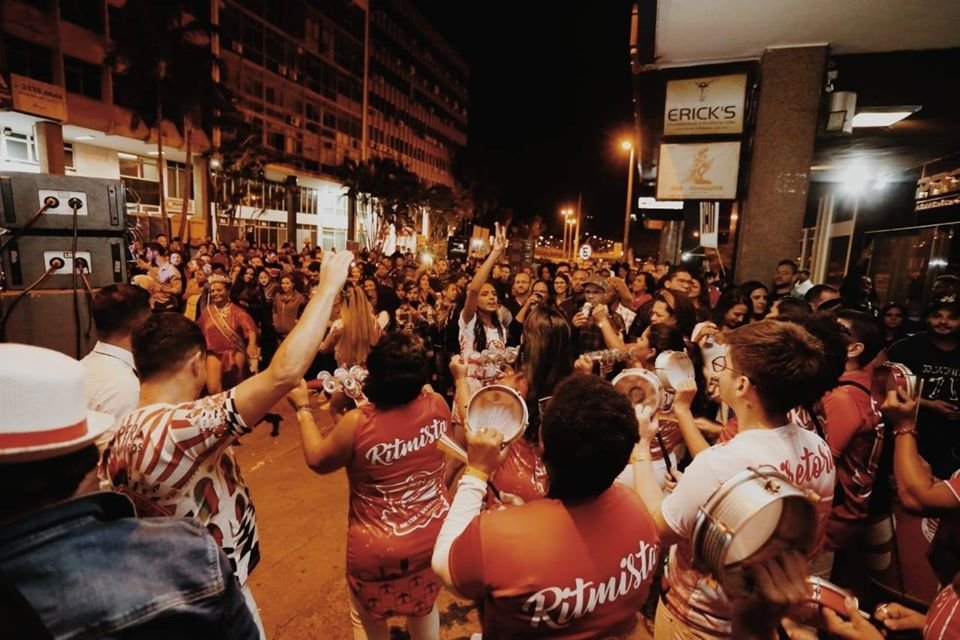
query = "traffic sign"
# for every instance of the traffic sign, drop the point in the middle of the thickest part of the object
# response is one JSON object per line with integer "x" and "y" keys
{"x": 585, "y": 252}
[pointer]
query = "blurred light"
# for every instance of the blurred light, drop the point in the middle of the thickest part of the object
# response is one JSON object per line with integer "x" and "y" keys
{"x": 84, "y": 137}
{"x": 426, "y": 259}
{"x": 855, "y": 179}
{"x": 153, "y": 153}
{"x": 626, "y": 145}
{"x": 880, "y": 118}
{"x": 126, "y": 156}
{"x": 215, "y": 162}
{"x": 696, "y": 234}
{"x": 938, "y": 262}
{"x": 881, "y": 182}
{"x": 685, "y": 256}
{"x": 653, "y": 203}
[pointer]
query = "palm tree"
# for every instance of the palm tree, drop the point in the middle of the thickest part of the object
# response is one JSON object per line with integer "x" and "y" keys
{"x": 166, "y": 70}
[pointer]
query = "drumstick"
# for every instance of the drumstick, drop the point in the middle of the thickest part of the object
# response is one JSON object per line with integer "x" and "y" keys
{"x": 449, "y": 446}
{"x": 666, "y": 455}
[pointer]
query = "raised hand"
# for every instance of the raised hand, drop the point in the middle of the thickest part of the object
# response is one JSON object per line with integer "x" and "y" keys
{"x": 334, "y": 270}
{"x": 898, "y": 408}
{"x": 499, "y": 244}
{"x": 648, "y": 424}
{"x": 484, "y": 449}
{"x": 684, "y": 394}
{"x": 299, "y": 396}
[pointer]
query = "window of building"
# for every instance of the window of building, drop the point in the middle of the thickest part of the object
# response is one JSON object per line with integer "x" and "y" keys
{"x": 176, "y": 182}
{"x": 17, "y": 147}
{"x": 86, "y": 13}
{"x": 29, "y": 59}
{"x": 132, "y": 166}
{"x": 83, "y": 78}
{"x": 68, "y": 161}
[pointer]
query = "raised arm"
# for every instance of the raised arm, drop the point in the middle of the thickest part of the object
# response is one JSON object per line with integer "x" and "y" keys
{"x": 917, "y": 487}
{"x": 497, "y": 248}
{"x": 257, "y": 395}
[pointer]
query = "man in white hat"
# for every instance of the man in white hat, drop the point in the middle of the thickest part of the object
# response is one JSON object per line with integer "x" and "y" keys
{"x": 165, "y": 578}
{"x": 173, "y": 455}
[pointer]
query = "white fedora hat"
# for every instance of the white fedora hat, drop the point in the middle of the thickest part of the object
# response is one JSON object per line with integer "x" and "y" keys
{"x": 43, "y": 412}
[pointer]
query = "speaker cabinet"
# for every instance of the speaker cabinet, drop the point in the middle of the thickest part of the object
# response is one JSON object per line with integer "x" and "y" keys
{"x": 25, "y": 259}
{"x": 101, "y": 203}
{"x": 47, "y": 319}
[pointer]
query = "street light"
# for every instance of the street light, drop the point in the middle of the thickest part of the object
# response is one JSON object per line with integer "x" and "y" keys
{"x": 626, "y": 145}
{"x": 571, "y": 225}
{"x": 566, "y": 212}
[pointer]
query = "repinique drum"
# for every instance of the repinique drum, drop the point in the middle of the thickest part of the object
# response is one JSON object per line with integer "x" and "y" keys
{"x": 756, "y": 510}
{"x": 641, "y": 387}
{"x": 500, "y": 408}
{"x": 890, "y": 376}
{"x": 673, "y": 367}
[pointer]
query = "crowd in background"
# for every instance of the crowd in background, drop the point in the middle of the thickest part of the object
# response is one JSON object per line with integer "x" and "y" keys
{"x": 782, "y": 376}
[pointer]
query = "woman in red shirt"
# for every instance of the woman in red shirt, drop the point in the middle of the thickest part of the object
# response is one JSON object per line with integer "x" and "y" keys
{"x": 397, "y": 495}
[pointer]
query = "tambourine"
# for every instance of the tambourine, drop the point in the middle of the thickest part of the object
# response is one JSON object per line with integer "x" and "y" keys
{"x": 499, "y": 408}
{"x": 757, "y": 509}
{"x": 673, "y": 367}
{"x": 641, "y": 387}
{"x": 890, "y": 376}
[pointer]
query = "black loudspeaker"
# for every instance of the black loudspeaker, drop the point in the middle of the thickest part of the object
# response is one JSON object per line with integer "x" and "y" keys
{"x": 47, "y": 319}
{"x": 26, "y": 258}
{"x": 101, "y": 203}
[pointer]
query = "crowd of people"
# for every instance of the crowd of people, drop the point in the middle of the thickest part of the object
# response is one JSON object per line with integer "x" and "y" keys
{"x": 581, "y": 526}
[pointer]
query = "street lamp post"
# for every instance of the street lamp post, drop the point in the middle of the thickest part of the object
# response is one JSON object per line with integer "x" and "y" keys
{"x": 566, "y": 213}
{"x": 627, "y": 145}
{"x": 570, "y": 230}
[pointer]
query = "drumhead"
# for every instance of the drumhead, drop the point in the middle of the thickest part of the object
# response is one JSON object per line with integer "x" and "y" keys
{"x": 673, "y": 367}
{"x": 500, "y": 408}
{"x": 754, "y": 534}
{"x": 641, "y": 387}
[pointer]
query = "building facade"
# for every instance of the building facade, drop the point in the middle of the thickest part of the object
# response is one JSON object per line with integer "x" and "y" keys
{"x": 313, "y": 79}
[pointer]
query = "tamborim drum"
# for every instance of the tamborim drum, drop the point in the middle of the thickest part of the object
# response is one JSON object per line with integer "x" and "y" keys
{"x": 889, "y": 376}
{"x": 641, "y": 387}
{"x": 673, "y": 367}
{"x": 500, "y": 408}
{"x": 757, "y": 509}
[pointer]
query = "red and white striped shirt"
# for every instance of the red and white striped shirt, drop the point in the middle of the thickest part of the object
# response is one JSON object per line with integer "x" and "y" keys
{"x": 177, "y": 460}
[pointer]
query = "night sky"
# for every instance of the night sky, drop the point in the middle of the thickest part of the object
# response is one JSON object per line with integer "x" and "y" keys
{"x": 550, "y": 97}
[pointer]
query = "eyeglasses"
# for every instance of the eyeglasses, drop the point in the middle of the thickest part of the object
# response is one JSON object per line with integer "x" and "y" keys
{"x": 719, "y": 364}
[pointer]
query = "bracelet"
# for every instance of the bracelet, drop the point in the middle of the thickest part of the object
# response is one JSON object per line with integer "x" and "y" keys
{"x": 476, "y": 473}
{"x": 636, "y": 459}
{"x": 905, "y": 430}
{"x": 303, "y": 407}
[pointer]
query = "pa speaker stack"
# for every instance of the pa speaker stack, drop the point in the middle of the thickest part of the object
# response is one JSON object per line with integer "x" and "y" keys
{"x": 57, "y": 231}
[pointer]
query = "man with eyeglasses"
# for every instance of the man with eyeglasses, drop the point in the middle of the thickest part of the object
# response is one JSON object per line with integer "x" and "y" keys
{"x": 769, "y": 368}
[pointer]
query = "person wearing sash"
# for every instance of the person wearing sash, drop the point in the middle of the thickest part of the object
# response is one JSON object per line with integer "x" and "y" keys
{"x": 231, "y": 336}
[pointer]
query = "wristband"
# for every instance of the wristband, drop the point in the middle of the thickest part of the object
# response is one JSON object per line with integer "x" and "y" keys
{"x": 905, "y": 430}
{"x": 303, "y": 407}
{"x": 476, "y": 473}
